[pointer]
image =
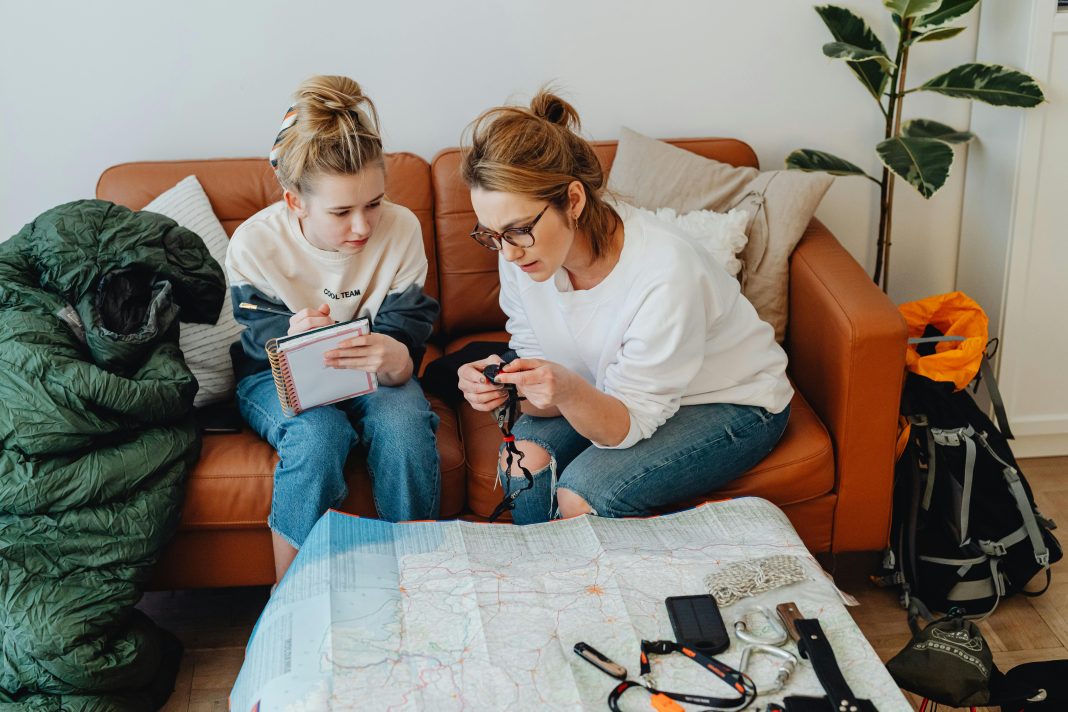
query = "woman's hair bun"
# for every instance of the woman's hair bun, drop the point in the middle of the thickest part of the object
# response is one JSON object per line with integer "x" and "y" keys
{"x": 547, "y": 105}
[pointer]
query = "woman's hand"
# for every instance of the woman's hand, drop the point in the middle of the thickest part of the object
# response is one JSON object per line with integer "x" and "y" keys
{"x": 543, "y": 383}
{"x": 375, "y": 353}
{"x": 307, "y": 319}
{"x": 477, "y": 389}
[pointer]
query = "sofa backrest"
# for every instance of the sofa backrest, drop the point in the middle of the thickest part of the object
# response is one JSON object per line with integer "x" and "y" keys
{"x": 238, "y": 188}
{"x": 467, "y": 272}
{"x": 462, "y": 275}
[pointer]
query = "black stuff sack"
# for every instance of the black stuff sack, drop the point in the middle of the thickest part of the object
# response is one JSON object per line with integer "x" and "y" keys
{"x": 948, "y": 662}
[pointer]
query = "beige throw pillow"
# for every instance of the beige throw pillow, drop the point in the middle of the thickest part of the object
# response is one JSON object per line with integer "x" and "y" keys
{"x": 652, "y": 174}
{"x": 206, "y": 347}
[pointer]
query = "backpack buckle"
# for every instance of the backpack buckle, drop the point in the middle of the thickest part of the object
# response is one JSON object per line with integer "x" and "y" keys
{"x": 946, "y": 437}
{"x": 1045, "y": 521}
{"x": 993, "y": 548}
{"x": 1043, "y": 559}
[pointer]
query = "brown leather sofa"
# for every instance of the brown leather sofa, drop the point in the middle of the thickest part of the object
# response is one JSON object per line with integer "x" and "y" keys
{"x": 831, "y": 473}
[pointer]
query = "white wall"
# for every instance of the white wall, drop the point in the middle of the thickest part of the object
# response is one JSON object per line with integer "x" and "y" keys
{"x": 1013, "y": 250}
{"x": 87, "y": 85}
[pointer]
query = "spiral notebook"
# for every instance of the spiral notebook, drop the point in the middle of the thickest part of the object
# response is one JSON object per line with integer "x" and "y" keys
{"x": 302, "y": 379}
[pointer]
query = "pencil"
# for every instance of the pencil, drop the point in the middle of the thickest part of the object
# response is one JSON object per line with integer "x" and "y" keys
{"x": 260, "y": 307}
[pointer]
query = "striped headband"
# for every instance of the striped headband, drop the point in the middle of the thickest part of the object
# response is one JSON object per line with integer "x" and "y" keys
{"x": 287, "y": 122}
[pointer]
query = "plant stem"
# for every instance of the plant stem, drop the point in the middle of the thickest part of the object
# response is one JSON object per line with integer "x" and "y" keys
{"x": 905, "y": 32}
{"x": 886, "y": 185}
{"x": 878, "y": 275}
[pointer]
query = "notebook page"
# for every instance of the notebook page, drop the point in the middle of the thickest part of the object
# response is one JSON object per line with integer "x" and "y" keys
{"x": 316, "y": 383}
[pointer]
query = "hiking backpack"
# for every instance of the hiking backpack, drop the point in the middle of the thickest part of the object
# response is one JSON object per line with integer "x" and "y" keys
{"x": 965, "y": 531}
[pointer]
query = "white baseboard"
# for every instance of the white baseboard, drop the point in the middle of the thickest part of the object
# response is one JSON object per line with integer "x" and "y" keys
{"x": 1039, "y": 446}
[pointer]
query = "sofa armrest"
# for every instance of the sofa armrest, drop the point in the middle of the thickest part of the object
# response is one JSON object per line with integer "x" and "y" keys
{"x": 846, "y": 342}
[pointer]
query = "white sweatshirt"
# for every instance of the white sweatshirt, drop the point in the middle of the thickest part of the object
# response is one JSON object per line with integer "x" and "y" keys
{"x": 668, "y": 327}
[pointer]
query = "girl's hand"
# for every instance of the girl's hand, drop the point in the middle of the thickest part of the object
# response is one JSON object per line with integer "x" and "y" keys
{"x": 479, "y": 392}
{"x": 374, "y": 352}
{"x": 307, "y": 319}
{"x": 544, "y": 384}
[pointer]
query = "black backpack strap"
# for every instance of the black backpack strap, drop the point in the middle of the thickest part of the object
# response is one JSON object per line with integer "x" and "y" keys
{"x": 1027, "y": 510}
{"x": 907, "y": 565}
{"x": 957, "y": 437}
{"x": 931, "y": 462}
{"x": 995, "y": 397}
{"x": 918, "y": 609}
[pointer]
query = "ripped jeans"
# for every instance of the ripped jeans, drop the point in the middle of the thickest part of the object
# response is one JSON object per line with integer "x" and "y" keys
{"x": 698, "y": 450}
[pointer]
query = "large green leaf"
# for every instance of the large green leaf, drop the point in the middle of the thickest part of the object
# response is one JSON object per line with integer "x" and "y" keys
{"x": 989, "y": 83}
{"x": 948, "y": 11}
{"x": 923, "y": 162}
{"x": 807, "y": 159}
{"x": 849, "y": 28}
{"x": 911, "y": 8}
{"x": 925, "y": 128}
{"x": 941, "y": 33}
{"x": 841, "y": 50}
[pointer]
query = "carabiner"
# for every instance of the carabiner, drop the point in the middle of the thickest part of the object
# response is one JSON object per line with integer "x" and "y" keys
{"x": 789, "y": 662}
{"x": 778, "y": 632}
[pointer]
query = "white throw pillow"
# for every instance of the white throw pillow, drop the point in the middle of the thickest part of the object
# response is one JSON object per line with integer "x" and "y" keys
{"x": 654, "y": 174}
{"x": 721, "y": 234}
{"x": 206, "y": 346}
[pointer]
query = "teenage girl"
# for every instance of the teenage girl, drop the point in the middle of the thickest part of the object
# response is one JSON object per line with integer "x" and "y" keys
{"x": 333, "y": 249}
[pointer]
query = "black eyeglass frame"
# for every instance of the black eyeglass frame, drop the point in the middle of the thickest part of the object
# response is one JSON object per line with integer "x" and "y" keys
{"x": 512, "y": 235}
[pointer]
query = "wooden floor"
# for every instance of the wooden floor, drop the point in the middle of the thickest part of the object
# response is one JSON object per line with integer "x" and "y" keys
{"x": 214, "y": 625}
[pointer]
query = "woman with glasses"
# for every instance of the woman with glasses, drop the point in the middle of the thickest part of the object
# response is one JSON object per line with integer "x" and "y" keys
{"x": 648, "y": 378}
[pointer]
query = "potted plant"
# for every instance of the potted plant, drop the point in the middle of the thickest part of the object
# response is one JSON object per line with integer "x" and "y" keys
{"x": 919, "y": 150}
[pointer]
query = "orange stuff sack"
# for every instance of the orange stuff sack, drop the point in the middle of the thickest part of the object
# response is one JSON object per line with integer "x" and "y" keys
{"x": 952, "y": 314}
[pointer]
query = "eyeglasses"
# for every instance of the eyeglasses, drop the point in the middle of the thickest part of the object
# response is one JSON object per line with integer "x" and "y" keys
{"x": 521, "y": 236}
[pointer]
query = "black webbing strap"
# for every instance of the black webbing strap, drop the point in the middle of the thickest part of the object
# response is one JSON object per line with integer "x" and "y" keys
{"x": 506, "y": 415}
{"x": 813, "y": 645}
{"x": 507, "y": 503}
{"x": 738, "y": 680}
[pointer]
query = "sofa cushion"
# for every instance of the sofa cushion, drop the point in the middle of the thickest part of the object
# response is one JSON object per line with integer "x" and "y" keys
{"x": 231, "y": 485}
{"x": 800, "y": 468}
{"x": 467, "y": 272}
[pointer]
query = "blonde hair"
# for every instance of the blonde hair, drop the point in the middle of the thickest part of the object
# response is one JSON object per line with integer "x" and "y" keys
{"x": 335, "y": 131}
{"x": 537, "y": 152}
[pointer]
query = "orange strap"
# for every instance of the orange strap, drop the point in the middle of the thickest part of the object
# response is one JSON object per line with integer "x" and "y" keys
{"x": 663, "y": 703}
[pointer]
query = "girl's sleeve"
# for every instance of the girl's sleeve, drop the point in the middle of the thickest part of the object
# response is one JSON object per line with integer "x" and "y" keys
{"x": 247, "y": 284}
{"x": 407, "y": 313}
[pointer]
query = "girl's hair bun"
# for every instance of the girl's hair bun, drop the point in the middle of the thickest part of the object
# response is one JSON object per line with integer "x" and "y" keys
{"x": 331, "y": 128}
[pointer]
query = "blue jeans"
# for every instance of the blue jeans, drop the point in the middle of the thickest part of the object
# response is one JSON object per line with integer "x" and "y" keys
{"x": 396, "y": 425}
{"x": 699, "y": 449}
